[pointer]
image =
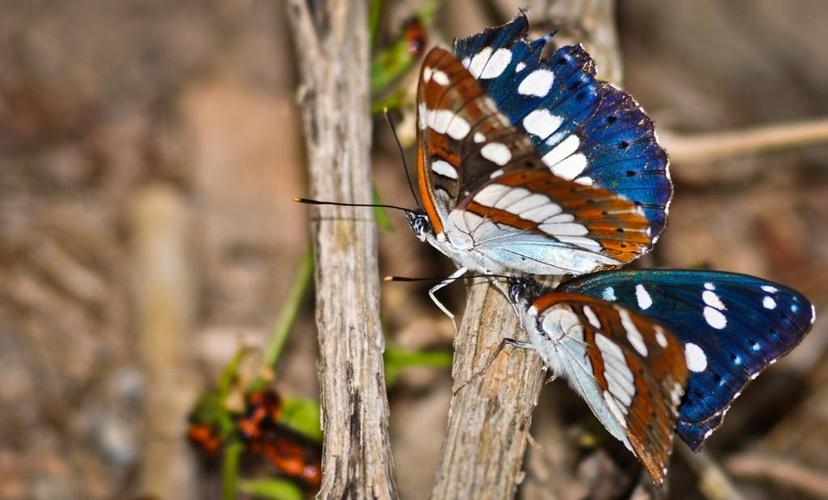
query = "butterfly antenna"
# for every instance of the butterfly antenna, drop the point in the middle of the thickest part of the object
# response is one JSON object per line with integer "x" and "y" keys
{"x": 390, "y": 122}
{"x": 409, "y": 280}
{"x": 308, "y": 201}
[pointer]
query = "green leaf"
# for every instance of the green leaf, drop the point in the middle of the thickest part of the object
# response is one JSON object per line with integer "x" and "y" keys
{"x": 379, "y": 212}
{"x": 303, "y": 416}
{"x": 275, "y": 489}
{"x": 397, "y": 360}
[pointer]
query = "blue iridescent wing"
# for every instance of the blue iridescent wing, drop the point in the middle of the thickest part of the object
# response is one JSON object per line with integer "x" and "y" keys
{"x": 584, "y": 129}
{"x": 733, "y": 327}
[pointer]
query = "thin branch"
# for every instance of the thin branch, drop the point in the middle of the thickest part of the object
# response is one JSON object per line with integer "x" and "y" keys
{"x": 780, "y": 471}
{"x": 490, "y": 415}
{"x": 720, "y": 145}
{"x": 331, "y": 41}
{"x": 713, "y": 482}
{"x": 164, "y": 299}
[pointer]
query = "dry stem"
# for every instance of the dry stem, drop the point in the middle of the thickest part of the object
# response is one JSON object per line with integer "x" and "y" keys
{"x": 331, "y": 40}
{"x": 727, "y": 144}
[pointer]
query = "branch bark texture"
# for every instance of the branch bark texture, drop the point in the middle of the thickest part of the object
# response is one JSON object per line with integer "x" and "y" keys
{"x": 490, "y": 414}
{"x": 331, "y": 41}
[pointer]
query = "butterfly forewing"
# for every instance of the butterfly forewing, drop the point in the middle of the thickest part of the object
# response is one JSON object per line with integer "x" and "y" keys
{"x": 732, "y": 328}
{"x": 582, "y": 128}
{"x": 463, "y": 138}
{"x": 484, "y": 186}
{"x": 637, "y": 366}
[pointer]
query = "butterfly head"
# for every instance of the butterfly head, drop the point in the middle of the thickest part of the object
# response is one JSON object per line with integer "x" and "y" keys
{"x": 523, "y": 290}
{"x": 418, "y": 220}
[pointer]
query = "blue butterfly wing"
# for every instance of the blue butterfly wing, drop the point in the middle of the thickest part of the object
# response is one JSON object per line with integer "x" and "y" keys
{"x": 555, "y": 98}
{"x": 733, "y": 327}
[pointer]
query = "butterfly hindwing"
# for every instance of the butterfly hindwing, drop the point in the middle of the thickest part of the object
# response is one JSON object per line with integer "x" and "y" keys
{"x": 582, "y": 128}
{"x": 630, "y": 370}
{"x": 732, "y": 327}
{"x": 539, "y": 223}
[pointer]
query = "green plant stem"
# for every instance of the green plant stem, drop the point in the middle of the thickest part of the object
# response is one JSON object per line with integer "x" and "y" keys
{"x": 290, "y": 309}
{"x": 230, "y": 469}
{"x": 373, "y": 20}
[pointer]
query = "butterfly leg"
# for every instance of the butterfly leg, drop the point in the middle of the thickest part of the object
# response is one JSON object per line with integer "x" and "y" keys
{"x": 518, "y": 344}
{"x": 451, "y": 279}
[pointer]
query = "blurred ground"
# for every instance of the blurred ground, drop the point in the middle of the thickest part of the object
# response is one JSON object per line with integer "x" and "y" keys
{"x": 99, "y": 100}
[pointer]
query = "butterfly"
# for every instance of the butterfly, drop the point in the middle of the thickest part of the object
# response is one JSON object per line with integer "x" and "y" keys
{"x": 658, "y": 352}
{"x": 529, "y": 164}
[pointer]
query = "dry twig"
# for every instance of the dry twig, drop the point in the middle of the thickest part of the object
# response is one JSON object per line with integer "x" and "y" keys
{"x": 780, "y": 471}
{"x": 727, "y": 144}
{"x": 331, "y": 40}
{"x": 713, "y": 482}
{"x": 164, "y": 295}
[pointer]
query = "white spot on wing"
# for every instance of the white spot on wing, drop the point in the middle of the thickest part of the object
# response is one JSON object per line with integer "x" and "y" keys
{"x": 497, "y": 173}
{"x": 711, "y": 299}
{"x": 512, "y": 196}
{"x": 537, "y": 83}
{"x": 441, "y": 78}
{"x": 770, "y": 289}
{"x": 478, "y": 137}
{"x": 608, "y": 294}
{"x": 541, "y": 213}
{"x": 660, "y": 337}
{"x": 633, "y": 335}
{"x": 768, "y": 302}
{"x": 445, "y": 121}
{"x": 610, "y": 349}
{"x": 642, "y": 297}
{"x": 581, "y": 241}
{"x": 709, "y": 286}
{"x": 444, "y": 168}
{"x": 497, "y": 153}
{"x": 530, "y": 202}
{"x": 497, "y": 63}
{"x": 615, "y": 410}
{"x": 570, "y": 167}
{"x": 478, "y": 62}
{"x": 566, "y": 229}
{"x": 714, "y": 318}
{"x": 593, "y": 319}
{"x": 695, "y": 357}
{"x": 587, "y": 181}
{"x": 562, "y": 150}
{"x": 541, "y": 123}
{"x": 490, "y": 194}
{"x": 519, "y": 67}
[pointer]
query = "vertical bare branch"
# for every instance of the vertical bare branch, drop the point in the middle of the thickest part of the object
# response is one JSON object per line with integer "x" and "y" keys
{"x": 490, "y": 415}
{"x": 331, "y": 40}
{"x": 163, "y": 295}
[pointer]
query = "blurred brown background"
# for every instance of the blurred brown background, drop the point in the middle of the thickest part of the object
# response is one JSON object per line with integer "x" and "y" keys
{"x": 120, "y": 118}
